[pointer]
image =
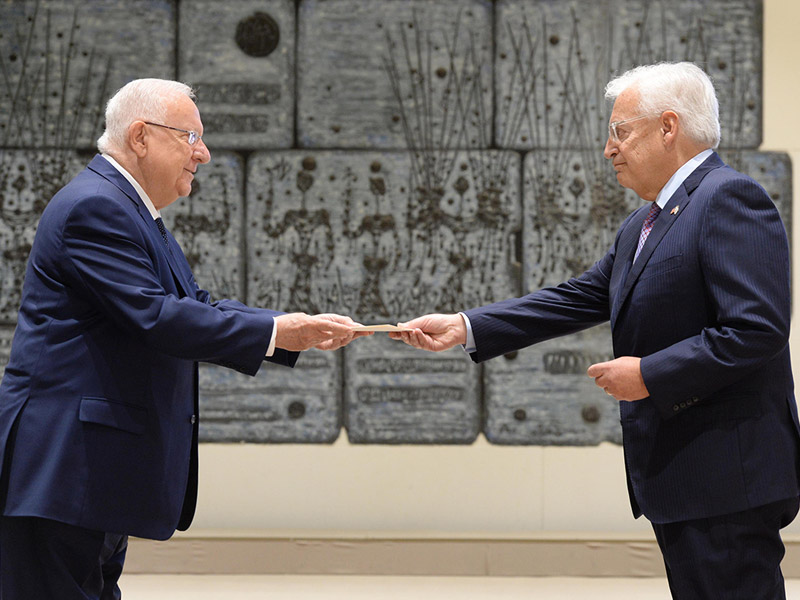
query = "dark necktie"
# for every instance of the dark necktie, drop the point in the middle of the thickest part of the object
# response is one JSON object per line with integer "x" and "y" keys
{"x": 163, "y": 230}
{"x": 647, "y": 226}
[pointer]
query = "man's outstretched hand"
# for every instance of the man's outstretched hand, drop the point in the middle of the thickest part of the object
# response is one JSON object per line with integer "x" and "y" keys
{"x": 434, "y": 333}
{"x": 299, "y": 331}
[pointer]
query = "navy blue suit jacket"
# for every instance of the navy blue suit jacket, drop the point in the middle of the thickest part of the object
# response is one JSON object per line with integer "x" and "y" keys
{"x": 706, "y": 306}
{"x": 102, "y": 378}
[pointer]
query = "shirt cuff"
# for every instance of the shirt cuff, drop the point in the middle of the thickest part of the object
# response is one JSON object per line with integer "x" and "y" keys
{"x": 470, "y": 345}
{"x": 271, "y": 349}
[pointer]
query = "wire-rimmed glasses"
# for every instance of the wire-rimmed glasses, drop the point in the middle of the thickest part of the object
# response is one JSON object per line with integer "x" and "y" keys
{"x": 618, "y": 136}
{"x": 193, "y": 138}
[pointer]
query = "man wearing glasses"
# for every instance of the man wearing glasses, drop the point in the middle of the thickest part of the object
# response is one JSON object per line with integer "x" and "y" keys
{"x": 98, "y": 404}
{"x": 696, "y": 287}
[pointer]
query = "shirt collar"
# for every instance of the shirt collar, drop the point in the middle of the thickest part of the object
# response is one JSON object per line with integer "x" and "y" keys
{"x": 154, "y": 212}
{"x": 680, "y": 176}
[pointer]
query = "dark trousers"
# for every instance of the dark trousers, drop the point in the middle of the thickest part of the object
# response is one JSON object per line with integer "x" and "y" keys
{"x": 42, "y": 559}
{"x": 729, "y": 557}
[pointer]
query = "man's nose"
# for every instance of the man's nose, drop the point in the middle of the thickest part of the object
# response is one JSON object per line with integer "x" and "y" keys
{"x": 201, "y": 153}
{"x": 611, "y": 150}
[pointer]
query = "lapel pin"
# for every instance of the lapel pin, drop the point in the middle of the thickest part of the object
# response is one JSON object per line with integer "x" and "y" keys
{"x": 675, "y": 210}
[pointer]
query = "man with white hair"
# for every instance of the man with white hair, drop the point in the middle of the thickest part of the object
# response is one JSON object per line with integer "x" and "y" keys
{"x": 696, "y": 287}
{"x": 99, "y": 401}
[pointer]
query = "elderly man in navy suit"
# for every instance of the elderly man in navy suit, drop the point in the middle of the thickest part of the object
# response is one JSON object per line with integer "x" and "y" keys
{"x": 696, "y": 288}
{"x": 98, "y": 404}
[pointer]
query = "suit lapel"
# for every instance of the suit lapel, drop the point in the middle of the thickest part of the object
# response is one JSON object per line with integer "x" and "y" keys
{"x": 105, "y": 169}
{"x": 672, "y": 211}
{"x": 174, "y": 255}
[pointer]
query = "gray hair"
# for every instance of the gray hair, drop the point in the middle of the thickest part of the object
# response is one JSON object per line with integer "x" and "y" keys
{"x": 681, "y": 87}
{"x": 141, "y": 99}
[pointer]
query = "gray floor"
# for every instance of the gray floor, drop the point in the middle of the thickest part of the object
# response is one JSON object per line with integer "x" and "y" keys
{"x": 269, "y": 587}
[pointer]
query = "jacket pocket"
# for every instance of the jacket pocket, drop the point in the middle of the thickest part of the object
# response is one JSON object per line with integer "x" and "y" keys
{"x": 118, "y": 415}
{"x": 662, "y": 266}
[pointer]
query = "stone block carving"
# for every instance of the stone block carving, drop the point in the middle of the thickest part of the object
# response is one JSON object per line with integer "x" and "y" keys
{"x": 279, "y": 404}
{"x": 542, "y": 395}
{"x": 411, "y": 74}
{"x": 240, "y": 58}
{"x": 208, "y": 226}
{"x": 396, "y": 394}
{"x": 28, "y": 180}
{"x": 573, "y": 206}
{"x": 381, "y": 236}
{"x": 554, "y": 59}
{"x": 377, "y": 237}
{"x": 61, "y": 60}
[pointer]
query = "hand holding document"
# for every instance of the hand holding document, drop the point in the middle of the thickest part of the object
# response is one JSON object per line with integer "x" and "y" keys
{"x": 383, "y": 327}
{"x": 432, "y": 332}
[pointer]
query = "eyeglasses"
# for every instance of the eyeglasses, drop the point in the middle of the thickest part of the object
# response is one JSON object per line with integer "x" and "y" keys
{"x": 620, "y": 136}
{"x": 193, "y": 138}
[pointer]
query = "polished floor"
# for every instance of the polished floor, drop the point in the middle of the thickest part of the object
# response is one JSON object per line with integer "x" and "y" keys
{"x": 339, "y": 587}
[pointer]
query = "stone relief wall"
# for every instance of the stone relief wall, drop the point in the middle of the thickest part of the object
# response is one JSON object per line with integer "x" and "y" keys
{"x": 382, "y": 159}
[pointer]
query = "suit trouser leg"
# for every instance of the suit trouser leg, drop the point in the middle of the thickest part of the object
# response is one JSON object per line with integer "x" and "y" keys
{"x": 729, "y": 557}
{"x": 42, "y": 559}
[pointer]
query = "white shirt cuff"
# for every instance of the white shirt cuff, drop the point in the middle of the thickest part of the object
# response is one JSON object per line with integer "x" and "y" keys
{"x": 470, "y": 345}
{"x": 271, "y": 349}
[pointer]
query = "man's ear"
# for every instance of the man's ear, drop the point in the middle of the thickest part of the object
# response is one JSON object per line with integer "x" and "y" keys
{"x": 670, "y": 125}
{"x": 137, "y": 138}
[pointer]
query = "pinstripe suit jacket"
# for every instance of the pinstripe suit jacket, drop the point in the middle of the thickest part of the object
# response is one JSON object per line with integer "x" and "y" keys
{"x": 98, "y": 404}
{"x": 707, "y": 308}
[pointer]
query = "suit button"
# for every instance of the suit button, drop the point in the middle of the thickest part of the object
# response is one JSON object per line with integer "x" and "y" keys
{"x": 683, "y": 404}
{"x": 193, "y": 420}
{"x": 695, "y": 399}
{"x": 675, "y": 407}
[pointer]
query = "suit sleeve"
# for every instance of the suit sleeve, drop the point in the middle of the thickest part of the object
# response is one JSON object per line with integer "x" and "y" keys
{"x": 279, "y": 356}
{"x": 744, "y": 256}
{"x": 108, "y": 262}
{"x": 575, "y": 305}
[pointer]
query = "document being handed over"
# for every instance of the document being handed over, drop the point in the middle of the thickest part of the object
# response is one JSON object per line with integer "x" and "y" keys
{"x": 384, "y": 327}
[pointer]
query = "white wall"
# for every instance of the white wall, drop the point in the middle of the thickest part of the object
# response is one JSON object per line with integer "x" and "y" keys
{"x": 479, "y": 489}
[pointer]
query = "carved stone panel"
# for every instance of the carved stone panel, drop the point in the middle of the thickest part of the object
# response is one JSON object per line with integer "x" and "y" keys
{"x": 381, "y": 236}
{"x": 542, "y": 395}
{"x": 375, "y": 236}
{"x": 399, "y": 74}
{"x": 554, "y": 59}
{"x": 28, "y": 180}
{"x": 240, "y": 58}
{"x": 208, "y": 226}
{"x": 396, "y": 394}
{"x": 302, "y": 405}
{"x": 573, "y": 207}
{"x": 61, "y": 60}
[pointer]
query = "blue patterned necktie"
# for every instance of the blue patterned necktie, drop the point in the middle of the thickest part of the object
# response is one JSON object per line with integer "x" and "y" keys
{"x": 647, "y": 226}
{"x": 163, "y": 230}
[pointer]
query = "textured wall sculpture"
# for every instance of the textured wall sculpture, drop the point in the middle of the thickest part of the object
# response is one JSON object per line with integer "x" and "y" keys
{"x": 382, "y": 159}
